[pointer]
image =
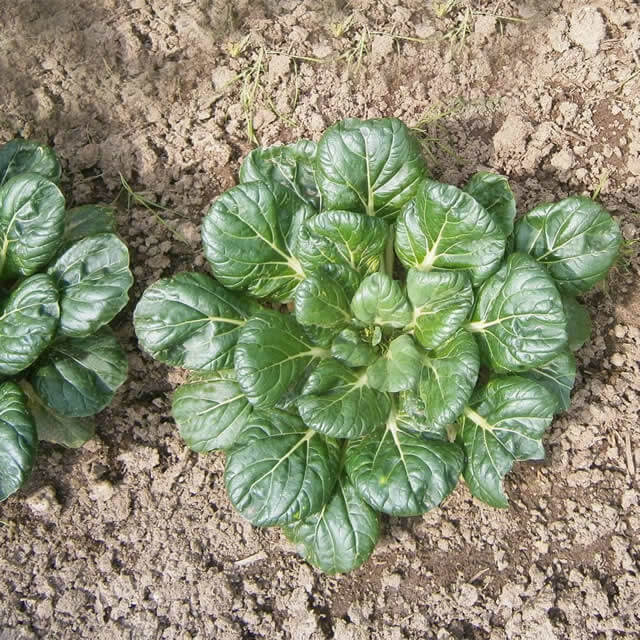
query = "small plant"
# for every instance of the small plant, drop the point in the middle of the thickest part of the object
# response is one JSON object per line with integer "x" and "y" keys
{"x": 411, "y": 334}
{"x": 65, "y": 275}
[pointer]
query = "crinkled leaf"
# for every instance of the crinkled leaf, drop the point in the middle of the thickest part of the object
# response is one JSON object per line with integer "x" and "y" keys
{"x": 398, "y": 369}
{"x": 93, "y": 278}
{"x": 271, "y": 354}
{"x": 380, "y": 300}
{"x": 87, "y": 220}
{"x": 412, "y": 417}
{"x": 341, "y": 536}
{"x": 248, "y": 236}
{"x": 343, "y": 238}
{"x": 54, "y": 427}
{"x": 349, "y": 348}
{"x": 31, "y": 224}
{"x": 575, "y": 239}
{"x": 190, "y": 320}
{"x": 18, "y": 439}
{"x": 321, "y": 301}
{"x": 401, "y": 473}
{"x": 503, "y": 423}
{"x": 210, "y": 410}
{"x": 291, "y": 165}
{"x": 78, "y": 377}
{"x": 28, "y": 156}
{"x": 279, "y": 471}
{"x": 441, "y": 302}
{"x": 493, "y": 192}
{"x": 445, "y": 228}
{"x": 578, "y": 322}
{"x": 518, "y": 318}
{"x": 447, "y": 379}
{"x": 28, "y": 323}
{"x": 338, "y": 402}
{"x": 368, "y": 166}
{"x": 558, "y": 376}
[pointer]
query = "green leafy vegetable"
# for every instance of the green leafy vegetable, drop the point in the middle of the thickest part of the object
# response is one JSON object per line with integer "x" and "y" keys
{"x": 503, "y": 424}
{"x": 364, "y": 393}
{"x": 575, "y": 239}
{"x": 31, "y": 224}
{"x": 18, "y": 440}
{"x": 65, "y": 275}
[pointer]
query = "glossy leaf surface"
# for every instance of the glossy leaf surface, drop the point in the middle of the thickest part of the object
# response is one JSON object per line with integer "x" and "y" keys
{"x": 441, "y": 302}
{"x": 380, "y": 300}
{"x": 27, "y": 156}
{"x": 31, "y": 224}
{"x": 79, "y": 376}
{"x": 398, "y": 369}
{"x": 493, "y": 192}
{"x": 368, "y": 166}
{"x": 18, "y": 439}
{"x": 518, "y": 318}
{"x": 28, "y": 323}
{"x": 279, "y": 471}
{"x": 210, "y": 410}
{"x": 94, "y": 279}
{"x": 575, "y": 239}
{"x": 341, "y": 536}
{"x": 445, "y": 228}
{"x": 503, "y": 423}
{"x": 248, "y": 236}
{"x": 190, "y": 320}
{"x": 339, "y": 402}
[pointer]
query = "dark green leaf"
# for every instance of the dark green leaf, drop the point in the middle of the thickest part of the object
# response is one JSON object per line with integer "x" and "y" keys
{"x": 291, "y": 165}
{"x": 338, "y": 402}
{"x": 448, "y": 378}
{"x": 28, "y": 323}
{"x": 493, "y": 192}
{"x": 93, "y": 278}
{"x": 248, "y": 236}
{"x": 28, "y": 156}
{"x": 368, "y": 166}
{"x": 87, "y": 220}
{"x": 341, "y": 536}
{"x": 575, "y": 239}
{"x": 279, "y": 471}
{"x": 558, "y": 376}
{"x": 401, "y": 473}
{"x": 31, "y": 224}
{"x": 441, "y": 303}
{"x": 398, "y": 369}
{"x": 380, "y": 300}
{"x": 412, "y": 417}
{"x": 445, "y": 228}
{"x": 345, "y": 239}
{"x": 503, "y": 424}
{"x": 189, "y": 320}
{"x": 321, "y": 301}
{"x": 53, "y": 427}
{"x": 271, "y": 354}
{"x": 18, "y": 440}
{"x": 578, "y": 322}
{"x": 349, "y": 348}
{"x": 79, "y": 376}
{"x": 210, "y": 410}
{"x": 518, "y": 317}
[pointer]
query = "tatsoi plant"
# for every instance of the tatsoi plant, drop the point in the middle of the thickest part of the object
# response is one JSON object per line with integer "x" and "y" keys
{"x": 64, "y": 275}
{"x": 372, "y": 334}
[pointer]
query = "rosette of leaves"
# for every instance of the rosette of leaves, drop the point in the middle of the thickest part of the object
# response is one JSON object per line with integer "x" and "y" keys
{"x": 64, "y": 275}
{"x": 370, "y": 334}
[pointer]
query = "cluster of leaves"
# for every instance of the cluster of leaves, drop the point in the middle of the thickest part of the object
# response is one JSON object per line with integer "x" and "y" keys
{"x": 64, "y": 275}
{"x": 423, "y": 336}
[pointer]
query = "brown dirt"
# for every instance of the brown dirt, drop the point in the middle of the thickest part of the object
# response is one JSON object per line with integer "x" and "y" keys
{"x": 132, "y": 536}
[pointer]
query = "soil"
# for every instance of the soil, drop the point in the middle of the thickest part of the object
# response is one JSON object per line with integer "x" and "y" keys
{"x": 132, "y": 535}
